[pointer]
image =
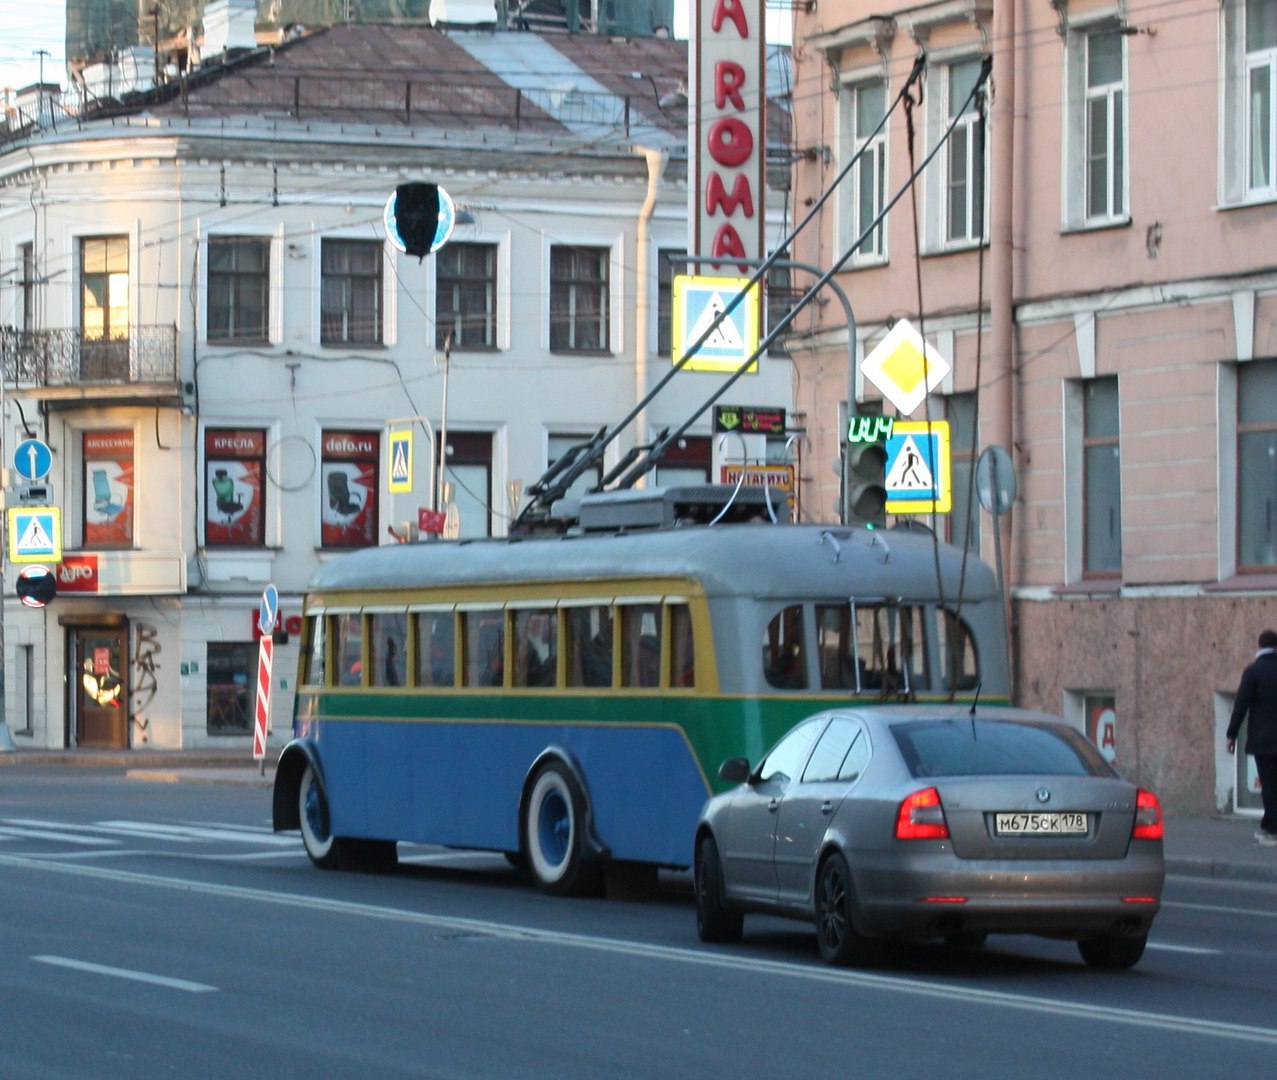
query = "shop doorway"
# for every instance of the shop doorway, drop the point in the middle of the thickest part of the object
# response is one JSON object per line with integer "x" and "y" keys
{"x": 100, "y": 697}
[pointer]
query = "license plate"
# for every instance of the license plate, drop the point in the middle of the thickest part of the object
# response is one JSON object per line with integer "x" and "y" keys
{"x": 1027, "y": 824}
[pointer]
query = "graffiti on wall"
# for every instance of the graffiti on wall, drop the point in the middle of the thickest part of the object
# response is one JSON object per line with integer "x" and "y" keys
{"x": 146, "y": 647}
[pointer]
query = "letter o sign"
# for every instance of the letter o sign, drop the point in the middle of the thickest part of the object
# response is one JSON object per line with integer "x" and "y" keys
{"x": 730, "y": 142}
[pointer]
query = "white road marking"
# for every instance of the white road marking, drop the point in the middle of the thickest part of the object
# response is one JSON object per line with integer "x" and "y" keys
{"x": 17, "y": 831}
{"x": 181, "y": 834}
{"x": 752, "y": 966}
{"x": 126, "y": 973}
{"x": 1183, "y": 948}
{"x": 1259, "y": 913}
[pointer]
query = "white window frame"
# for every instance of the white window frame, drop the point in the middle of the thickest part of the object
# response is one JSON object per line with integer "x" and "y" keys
{"x": 937, "y": 229}
{"x": 1080, "y": 97}
{"x": 1236, "y": 164}
{"x": 874, "y": 162}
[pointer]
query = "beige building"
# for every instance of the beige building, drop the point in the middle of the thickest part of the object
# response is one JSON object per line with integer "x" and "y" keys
{"x": 1100, "y": 271}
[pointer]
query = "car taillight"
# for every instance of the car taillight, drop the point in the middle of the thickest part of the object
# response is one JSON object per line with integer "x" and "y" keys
{"x": 921, "y": 817}
{"x": 1148, "y": 817}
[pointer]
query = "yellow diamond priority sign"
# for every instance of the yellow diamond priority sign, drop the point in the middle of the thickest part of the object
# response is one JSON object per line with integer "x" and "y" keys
{"x": 905, "y": 368}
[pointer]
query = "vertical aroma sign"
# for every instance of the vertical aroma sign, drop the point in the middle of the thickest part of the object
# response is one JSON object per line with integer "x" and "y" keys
{"x": 728, "y": 193}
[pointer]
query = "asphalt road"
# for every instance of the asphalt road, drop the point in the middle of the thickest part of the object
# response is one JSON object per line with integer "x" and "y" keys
{"x": 163, "y": 930}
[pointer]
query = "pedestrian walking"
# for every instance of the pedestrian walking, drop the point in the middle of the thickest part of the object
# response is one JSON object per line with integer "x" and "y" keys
{"x": 1257, "y": 700}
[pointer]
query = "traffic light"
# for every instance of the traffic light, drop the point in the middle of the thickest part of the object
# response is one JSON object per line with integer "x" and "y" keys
{"x": 866, "y": 484}
{"x": 416, "y": 216}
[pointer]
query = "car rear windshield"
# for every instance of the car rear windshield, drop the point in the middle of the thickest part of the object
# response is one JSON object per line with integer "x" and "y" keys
{"x": 975, "y": 747}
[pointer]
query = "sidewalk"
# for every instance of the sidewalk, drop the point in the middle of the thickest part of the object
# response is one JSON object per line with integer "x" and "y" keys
{"x": 1222, "y": 847}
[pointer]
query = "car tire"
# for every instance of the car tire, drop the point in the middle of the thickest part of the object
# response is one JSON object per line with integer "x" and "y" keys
{"x": 1112, "y": 953}
{"x": 966, "y": 939}
{"x": 553, "y": 842}
{"x": 716, "y": 923}
{"x": 325, "y": 850}
{"x": 836, "y": 934}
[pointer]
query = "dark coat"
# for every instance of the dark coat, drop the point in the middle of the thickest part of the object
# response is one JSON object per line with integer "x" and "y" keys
{"x": 1257, "y": 695}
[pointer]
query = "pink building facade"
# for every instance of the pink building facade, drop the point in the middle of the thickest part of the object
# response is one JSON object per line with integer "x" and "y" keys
{"x": 1093, "y": 246}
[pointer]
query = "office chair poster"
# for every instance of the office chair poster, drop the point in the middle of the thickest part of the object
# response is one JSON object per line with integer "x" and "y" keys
{"x": 233, "y": 507}
{"x": 108, "y": 489}
{"x": 348, "y": 510}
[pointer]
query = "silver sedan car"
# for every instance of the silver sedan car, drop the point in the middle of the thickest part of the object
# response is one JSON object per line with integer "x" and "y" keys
{"x": 933, "y": 822}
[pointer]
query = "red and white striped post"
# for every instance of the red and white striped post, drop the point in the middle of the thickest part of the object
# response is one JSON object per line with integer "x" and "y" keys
{"x": 266, "y": 617}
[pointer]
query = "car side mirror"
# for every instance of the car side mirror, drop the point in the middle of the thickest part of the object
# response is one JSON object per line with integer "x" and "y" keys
{"x": 734, "y": 770}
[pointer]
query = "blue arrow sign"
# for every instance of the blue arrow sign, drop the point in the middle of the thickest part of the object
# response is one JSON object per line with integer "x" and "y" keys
{"x": 267, "y": 613}
{"x": 32, "y": 459}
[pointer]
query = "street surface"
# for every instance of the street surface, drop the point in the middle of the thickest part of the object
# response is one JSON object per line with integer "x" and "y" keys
{"x": 152, "y": 929}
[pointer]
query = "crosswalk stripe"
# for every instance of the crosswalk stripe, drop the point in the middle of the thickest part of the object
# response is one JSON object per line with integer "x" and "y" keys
{"x": 17, "y": 832}
{"x": 182, "y": 834}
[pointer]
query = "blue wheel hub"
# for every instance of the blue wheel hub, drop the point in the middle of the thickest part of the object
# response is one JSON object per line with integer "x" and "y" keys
{"x": 554, "y": 827}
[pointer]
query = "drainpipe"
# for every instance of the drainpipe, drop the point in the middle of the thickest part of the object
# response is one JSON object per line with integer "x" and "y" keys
{"x": 656, "y": 162}
{"x": 998, "y": 408}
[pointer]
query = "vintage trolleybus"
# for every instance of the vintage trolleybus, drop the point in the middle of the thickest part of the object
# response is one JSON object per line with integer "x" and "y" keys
{"x": 567, "y": 699}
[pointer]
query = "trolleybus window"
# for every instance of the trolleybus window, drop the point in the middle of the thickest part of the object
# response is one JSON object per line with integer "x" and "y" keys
{"x": 682, "y": 647}
{"x": 314, "y": 673}
{"x": 883, "y": 653}
{"x": 784, "y": 658}
{"x": 389, "y": 647}
{"x": 958, "y": 653}
{"x": 589, "y": 646}
{"x": 641, "y": 644}
{"x": 536, "y": 647}
{"x": 436, "y": 649}
{"x": 484, "y": 642}
{"x": 350, "y": 648}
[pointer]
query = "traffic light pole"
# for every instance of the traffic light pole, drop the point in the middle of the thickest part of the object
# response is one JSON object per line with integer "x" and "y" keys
{"x": 6, "y": 740}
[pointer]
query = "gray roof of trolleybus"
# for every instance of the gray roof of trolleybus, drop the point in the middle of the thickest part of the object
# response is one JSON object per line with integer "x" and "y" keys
{"x": 753, "y": 559}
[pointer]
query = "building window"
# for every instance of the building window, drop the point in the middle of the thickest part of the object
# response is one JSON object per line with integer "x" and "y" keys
{"x": 1257, "y": 465}
{"x": 965, "y": 157}
{"x": 1261, "y": 84}
{"x": 104, "y": 308}
{"x": 238, "y": 288}
{"x": 467, "y": 474}
{"x": 578, "y": 299}
{"x": 1101, "y": 478}
{"x": 591, "y": 477}
{"x": 466, "y": 296}
{"x": 234, "y": 507}
{"x": 232, "y": 674}
{"x": 963, "y": 523}
{"x": 863, "y": 107}
{"x": 685, "y": 462}
{"x": 781, "y": 296}
{"x": 349, "y": 482}
{"x": 1097, "y": 133}
{"x": 108, "y": 486}
{"x": 26, "y": 257}
{"x": 666, "y": 268}
{"x": 350, "y": 293}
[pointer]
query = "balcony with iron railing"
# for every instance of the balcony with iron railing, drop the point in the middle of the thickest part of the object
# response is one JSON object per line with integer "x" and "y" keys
{"x": 70, "y": 365}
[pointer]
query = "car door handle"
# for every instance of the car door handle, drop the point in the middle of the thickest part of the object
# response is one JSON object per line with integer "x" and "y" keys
{"x": 773, "y": 805}
{"x": 827, "y": 807}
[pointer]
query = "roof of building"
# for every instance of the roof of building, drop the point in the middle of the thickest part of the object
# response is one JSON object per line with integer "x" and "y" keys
{"x": 447, "y": 79}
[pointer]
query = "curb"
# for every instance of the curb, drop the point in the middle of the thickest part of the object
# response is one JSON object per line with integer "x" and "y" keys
{"x": 214, "y": 778}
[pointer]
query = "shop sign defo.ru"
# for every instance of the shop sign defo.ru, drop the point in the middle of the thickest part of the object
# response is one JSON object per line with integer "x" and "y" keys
{"x": 727, "y": 76}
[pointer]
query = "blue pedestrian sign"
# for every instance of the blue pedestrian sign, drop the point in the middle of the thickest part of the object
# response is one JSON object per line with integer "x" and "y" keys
{"x": 698, "y": 304}
{"x": 918, "y": 471}
{"x": 401, "y": 461}
{"x": 35, "y": 535}
{"x": 32, "y": 459}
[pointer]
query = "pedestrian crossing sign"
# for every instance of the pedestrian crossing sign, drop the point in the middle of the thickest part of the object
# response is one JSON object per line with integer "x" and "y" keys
{"x": 401, "y": 461}
{"x": 919, "y": 478}
{"x": 35, "y": 534}
{"x": 698, "y": 302}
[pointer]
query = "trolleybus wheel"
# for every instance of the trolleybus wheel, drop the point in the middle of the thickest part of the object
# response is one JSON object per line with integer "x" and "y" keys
{"x": 715, "y": 921}
{"x": 324, "y": 849}
{"x": 553, "y": 822}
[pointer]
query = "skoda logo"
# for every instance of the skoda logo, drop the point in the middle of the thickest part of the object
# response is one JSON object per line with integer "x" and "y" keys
{"x": 1043, "y": 795}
